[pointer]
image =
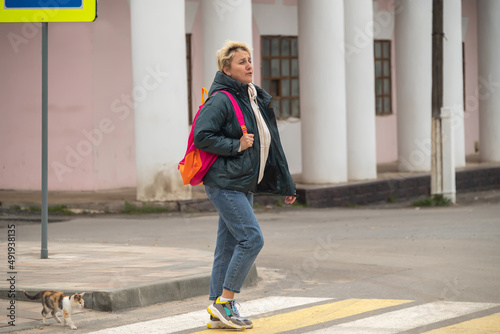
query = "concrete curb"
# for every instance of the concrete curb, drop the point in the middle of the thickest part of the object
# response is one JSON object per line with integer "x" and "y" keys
{"x": 395, "y": 188}
{"x": 148, "y": 294}
{"x": 142, "y": 295}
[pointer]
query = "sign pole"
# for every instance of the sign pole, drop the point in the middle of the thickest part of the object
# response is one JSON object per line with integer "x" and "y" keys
{"x": 45, "y": 122}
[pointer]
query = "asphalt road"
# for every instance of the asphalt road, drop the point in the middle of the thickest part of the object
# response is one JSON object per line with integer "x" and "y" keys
{"x": 380, "y": 252}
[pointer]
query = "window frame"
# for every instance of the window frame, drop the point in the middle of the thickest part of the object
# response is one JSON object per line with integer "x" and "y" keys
{"x": 384, "y": 61}
{"x": 276, "y": 84}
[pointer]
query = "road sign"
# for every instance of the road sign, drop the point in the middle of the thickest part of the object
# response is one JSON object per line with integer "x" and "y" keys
{"x": 48, "y": 10}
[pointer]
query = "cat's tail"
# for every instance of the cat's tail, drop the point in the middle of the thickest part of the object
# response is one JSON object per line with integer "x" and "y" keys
{"x": 37, "y": 296}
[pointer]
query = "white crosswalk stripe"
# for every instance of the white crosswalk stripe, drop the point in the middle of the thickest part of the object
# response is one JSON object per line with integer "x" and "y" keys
{"x": 408, "y": 318}
{"x": 389, "y": 322}
{"x": 199, "y": 318}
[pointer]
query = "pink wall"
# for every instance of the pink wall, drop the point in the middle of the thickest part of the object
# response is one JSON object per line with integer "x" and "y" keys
{"x": 70, "y": 105}
{"x": 114, "y": 158}
{"x": 471, "y": 116}
{"x": 21, "y": 99}
{"x": 20, "y": 105}
{"x": 89, "y": 67}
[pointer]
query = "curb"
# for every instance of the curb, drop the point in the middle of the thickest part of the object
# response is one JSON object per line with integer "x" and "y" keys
{"x": 395, "y": 188}
{"x": 142, "y": 295}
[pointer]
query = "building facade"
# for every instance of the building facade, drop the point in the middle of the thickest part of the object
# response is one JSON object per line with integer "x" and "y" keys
{"x": 351, "y": 82}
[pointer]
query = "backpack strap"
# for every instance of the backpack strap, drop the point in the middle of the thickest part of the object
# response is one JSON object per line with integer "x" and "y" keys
{"x": 203, "y": 92}
{"x": 237, "y": 110}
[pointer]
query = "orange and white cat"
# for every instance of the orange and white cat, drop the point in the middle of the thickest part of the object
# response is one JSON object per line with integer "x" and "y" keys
{"x": 53, "y": 302}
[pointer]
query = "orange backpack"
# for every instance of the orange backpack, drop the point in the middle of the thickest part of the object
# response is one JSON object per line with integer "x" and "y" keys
{"x": 196, "y": 163}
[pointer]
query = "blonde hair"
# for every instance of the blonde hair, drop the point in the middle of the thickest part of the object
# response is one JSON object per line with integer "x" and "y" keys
{"x": 226, "y": 54}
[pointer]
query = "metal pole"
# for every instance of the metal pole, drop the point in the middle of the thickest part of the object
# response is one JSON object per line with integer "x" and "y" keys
{"x": 45, "y": 122}
{"x": 437, "y": 98}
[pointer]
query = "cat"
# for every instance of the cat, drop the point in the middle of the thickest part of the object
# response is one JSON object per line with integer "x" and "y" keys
{"x": 53, "y": 302}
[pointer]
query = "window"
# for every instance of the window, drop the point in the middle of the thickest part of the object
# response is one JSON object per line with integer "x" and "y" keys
{"x": 383, "y": 95}
{"x": 189, "y": 78}
{"x": 280, "y": 74}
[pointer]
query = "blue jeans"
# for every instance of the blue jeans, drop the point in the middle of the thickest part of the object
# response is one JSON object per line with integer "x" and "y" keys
{"x": 239, "y": 239}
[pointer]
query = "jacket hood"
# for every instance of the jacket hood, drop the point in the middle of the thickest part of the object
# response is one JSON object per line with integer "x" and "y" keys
{"x": 225, "y": 82}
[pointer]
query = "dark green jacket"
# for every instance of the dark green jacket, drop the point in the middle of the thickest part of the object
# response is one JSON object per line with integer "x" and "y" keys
{"x": 217, "y": 131}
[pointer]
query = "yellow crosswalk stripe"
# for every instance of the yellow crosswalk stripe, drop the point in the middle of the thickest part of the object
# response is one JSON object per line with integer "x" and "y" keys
{"x": 315, "y": 315}
{"x": 484, "y": 325}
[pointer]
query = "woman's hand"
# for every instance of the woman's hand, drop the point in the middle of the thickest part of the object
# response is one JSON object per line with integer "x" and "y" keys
{"x": 246, "y": 141}
{"x": 290, "y": 199}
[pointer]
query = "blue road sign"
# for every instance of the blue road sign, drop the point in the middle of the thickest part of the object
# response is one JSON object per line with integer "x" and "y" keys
{"x": 17, "y": 4}
{"x": 48, "y": 10}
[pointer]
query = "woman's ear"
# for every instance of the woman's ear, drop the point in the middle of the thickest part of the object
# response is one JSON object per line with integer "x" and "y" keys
{"x": 226, "y": 71}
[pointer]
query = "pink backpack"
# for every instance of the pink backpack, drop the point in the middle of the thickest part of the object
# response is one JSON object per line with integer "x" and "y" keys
{"x": 196, "y": 162}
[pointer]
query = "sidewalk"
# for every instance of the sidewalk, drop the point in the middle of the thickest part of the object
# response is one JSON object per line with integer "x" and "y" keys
{"x": 113, "y": 277}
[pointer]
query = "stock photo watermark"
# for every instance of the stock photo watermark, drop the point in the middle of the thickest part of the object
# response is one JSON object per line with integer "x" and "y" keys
{"x": 222, "y": 7}
{"x": 323, "y": 251}
{"x": 364, "y": 36}
{"x": 121, "y": 108}
{"x": 417, "y": 159}
{"x": 11, "y": 273}
{"x": 30, "y": 29}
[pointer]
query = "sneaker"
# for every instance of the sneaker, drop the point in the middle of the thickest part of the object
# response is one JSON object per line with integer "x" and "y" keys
{"x": 215, "y": 323}
{"x": 248, "y": 323}
{"x": 225, "y": 313}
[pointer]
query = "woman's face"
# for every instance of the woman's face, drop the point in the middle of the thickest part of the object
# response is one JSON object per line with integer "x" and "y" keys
{"x": 241, "y": 67}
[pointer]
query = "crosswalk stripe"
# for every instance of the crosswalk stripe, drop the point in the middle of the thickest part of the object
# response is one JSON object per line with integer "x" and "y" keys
{"x": 199, "y": 318}
{"x": 484, "y": 325}
{"x": 315, "y": 315}
{"x": 408, "y": 318}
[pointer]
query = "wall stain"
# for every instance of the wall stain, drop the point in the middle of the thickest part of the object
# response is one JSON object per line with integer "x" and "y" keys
{"x": 167, "y": 186}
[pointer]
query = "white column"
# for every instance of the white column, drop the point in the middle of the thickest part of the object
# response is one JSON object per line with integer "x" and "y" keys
{"x": 488, "y": 35}
{"x": 160, "y": 97}
{"x": 360, "y": 77}
{"x": 223, "y": 20}
{"x": 414, "y": 84}
{"x": 322, "y": 91}
{"x": 453, "y": 96}
{"x": 448, "y": 151}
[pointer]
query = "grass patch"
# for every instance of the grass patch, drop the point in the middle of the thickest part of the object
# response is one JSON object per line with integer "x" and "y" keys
{"x": 132, "y": 209}
{"x": 256, "y": 205}
{"x": 297, "y": 204}
{"x": 60, "y": 209}
{"x": 54, "y": 209}
{"x": 34, "y": 208}
{"x": 391, "y": 199}
{"x": 279, "y": 203}
{"x": 57, "y": 209}
{"x": 436, "y": 200}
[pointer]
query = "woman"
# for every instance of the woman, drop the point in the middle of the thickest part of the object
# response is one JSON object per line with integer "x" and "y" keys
{"x": 247, "y": 164}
